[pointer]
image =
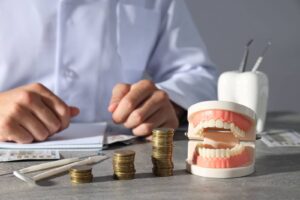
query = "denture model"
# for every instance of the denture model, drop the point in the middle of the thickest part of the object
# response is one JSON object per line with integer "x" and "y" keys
{"x": 221, "y": 139}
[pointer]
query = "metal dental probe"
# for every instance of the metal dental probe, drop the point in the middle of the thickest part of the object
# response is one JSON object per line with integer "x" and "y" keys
{"x": 245, "y": 56}
{"x": 260, "y": 58}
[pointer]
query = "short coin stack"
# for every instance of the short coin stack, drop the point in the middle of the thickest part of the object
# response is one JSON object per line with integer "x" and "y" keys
{"x": 162, "y": 151}
{"x": 81, "y": 174}
{"x": 123, "y": 164}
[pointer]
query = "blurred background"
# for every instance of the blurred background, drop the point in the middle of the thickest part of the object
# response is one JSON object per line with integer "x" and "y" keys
{"x": 227, "y": 25}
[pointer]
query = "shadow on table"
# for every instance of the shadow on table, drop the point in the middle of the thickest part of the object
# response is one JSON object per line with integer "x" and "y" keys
{"x": 50, "y": 182}
{"x": 137, "y": 176}
{"x": 273, "y": 164}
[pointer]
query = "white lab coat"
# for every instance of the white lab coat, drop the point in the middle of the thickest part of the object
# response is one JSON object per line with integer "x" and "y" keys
{"x": 81, "y": 48}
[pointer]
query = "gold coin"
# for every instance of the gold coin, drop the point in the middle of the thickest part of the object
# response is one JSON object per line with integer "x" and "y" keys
{"x": 162, "y": 156}
{"x": 123, "y": 164}
{"x": 161, "y": 145}
{"x": 164, "y": 162}
{"x": 81, "y": 176}
{"x": 124, "y": 153}
{"x": 162, "y": 130}
{"x": 162, "y": 137}
{"x": 82, "y": 168}
{"x": 170, "y": 153}
{"x": 124, "y": 157}
{"x": 156, "y": 138}
{"x": 162, "y": 173}
{"x": 123, "y": 168}
{"x": 124, "y": 171}
{"x": 83, "y": 179}
{"x": 163, "y": 165}
{"x": 168, "y": 142}
{"x": 123, "y": 160}
{"x": 167, "y": 148}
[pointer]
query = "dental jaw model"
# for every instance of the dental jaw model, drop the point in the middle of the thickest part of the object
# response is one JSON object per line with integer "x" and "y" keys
{"x": 221, "y": 139}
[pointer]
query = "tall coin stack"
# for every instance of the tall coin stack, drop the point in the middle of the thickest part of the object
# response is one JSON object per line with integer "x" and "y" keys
{"x": 162, "y": 151}
{"x": 81, "y": 174}
{"x": 123, "y": 164}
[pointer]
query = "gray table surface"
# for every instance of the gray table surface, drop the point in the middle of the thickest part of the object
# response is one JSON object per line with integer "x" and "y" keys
{"x": 277, "y": 176}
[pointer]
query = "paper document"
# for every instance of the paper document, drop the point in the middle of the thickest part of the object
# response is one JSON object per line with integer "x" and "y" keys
{"x": 17, "y": 155}
{"x": 76, "y": 136}
{"x": 281, "y": 138}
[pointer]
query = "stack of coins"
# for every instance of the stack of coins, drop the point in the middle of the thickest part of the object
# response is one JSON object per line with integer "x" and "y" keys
{"x": 162, "y": 151}
{"x": 81, "y": 174}
{"x": 123, "y": 164}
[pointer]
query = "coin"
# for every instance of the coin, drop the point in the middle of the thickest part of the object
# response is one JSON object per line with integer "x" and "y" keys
{"x": 82, "y": 168}
{"x": 123, "y": 164}
{"x": 162, "y": 151}
{"x": 81, "y": 174}
{"x": 124, "y": 153}
{"x": 163, "y": 130}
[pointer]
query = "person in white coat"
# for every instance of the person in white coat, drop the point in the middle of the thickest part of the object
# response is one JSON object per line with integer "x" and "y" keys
{"x": 86, "y": 60}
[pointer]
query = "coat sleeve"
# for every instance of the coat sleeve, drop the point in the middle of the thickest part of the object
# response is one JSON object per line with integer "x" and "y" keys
{"x": 179, "y": 63}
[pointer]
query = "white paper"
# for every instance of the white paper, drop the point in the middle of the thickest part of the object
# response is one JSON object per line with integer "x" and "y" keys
{"x": 118, "y": 133}
{"x": 76, "y": 136}
{"x": 17, "y": 155}
{"x": 281, "y": 138}
{"x": 111, "y": 139}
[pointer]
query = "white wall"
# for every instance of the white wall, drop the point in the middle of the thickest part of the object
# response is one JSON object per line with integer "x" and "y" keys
{"x": 226, "y": 25}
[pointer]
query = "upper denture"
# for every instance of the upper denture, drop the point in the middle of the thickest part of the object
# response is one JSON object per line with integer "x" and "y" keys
{"x": 218, "y": 117}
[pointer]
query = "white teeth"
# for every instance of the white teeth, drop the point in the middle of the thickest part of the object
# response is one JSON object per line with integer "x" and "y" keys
{"x": 219, "y": 124}
{"x": 231, "y": 125}
{"x": 236, "y": 131}
{"x": 221, "y": 153}
{"x": 198, "y": 130}
{"x": 226, "y": 125}
{"x": 227, "y": 153}
{"x": 206, "y": 124}
{"x": 212, "y": 123}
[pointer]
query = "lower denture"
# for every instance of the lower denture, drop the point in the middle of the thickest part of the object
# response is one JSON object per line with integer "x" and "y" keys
{"x": 233, "y": 161}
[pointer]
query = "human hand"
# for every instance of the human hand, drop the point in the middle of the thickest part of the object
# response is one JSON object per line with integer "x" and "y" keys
{"x": 32, "y": 113}
{"x": 142, "y": 107}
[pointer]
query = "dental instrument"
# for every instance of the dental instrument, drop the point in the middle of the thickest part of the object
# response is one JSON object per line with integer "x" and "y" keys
{"x": 245, "y": 56}
{"x": 260, "y": 58}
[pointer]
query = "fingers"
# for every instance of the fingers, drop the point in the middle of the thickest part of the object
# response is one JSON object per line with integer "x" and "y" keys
{"x": 146, "y": 128}
{"x": 11, "y": 131}
{"x": 44, "y": 114}
{"x": 58, "y": 107}
{"x": 32, "y": 124}
{"x": 32, "y": 112}
{"x": 168, "y": 124}
{"x": 142, "y": 107}
{"x": 119, "y": 91}
{"x": 74, "y": 111}
{"x": 138, "y": 93}
{"x": 155, "y": 121}
{"x": 156, "y": 101}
